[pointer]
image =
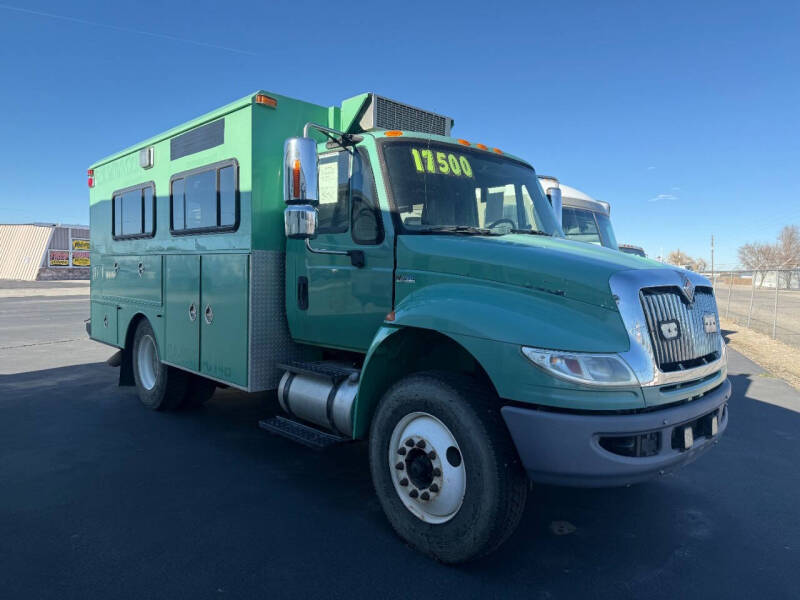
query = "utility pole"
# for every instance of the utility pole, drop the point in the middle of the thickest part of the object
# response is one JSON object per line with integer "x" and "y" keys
{"x": 712, "y": 259}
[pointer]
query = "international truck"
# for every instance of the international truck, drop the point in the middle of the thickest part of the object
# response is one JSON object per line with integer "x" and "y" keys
{"x": 583, "y": 218}
{"x": 401, "y": 286}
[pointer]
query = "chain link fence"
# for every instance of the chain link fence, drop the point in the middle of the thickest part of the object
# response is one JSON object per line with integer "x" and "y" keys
{"x": 766, "y": 301}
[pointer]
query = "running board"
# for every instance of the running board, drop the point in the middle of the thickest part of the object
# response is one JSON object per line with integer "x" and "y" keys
{"x": 301, "y": 433}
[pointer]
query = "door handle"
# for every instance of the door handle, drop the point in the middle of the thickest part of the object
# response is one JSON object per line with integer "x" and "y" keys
{"x": 192, "y": 312}
{"x": 209, "y": 314}
{"x": 141, "y": 269}
{"x": 356, "y": 256}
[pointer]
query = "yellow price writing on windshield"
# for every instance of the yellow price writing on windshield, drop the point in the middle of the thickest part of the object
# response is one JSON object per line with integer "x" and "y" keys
{"x": 442, "y": 163}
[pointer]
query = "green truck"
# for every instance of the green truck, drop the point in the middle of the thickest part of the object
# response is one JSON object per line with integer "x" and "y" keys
{"x": 398, "y": 285}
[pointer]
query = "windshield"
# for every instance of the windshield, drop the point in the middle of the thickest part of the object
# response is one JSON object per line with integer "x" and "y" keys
{"x": 443, "y": 187}
{"x": 586, "y": 225}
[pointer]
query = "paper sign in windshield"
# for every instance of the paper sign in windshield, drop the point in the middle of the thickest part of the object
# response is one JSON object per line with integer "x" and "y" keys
{"x": 441, "y": 163}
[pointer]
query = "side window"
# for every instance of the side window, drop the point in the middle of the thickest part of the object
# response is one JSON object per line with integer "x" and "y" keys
{"x": 205, "y": 199}
{"x": 134, "y": 212}
{"x": 334, "y": 190}
{"x": 366, "y": 217}
{"x": 580, "y": 225}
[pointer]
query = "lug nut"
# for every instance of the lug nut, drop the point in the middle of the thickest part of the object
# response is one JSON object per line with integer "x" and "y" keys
{"x": 425, "y": 496}
{"x": 437, "y": 472}
{"x": 410, "y": 443}
{"x": 432, "y": 455}
{"x": 421, "y": 444}
{"x": 400, "y": 466}
{"x": 401, "y": 451}
{"x": 413, "y": 493}
{"x": 404, "y": 482}
{"x": 434, "y": 488}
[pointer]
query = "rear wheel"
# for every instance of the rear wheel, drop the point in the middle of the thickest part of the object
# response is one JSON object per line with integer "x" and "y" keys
{"x": 444, "y": 467}
{"x": 160, "y": 387}
{"x": 198, "y": 391}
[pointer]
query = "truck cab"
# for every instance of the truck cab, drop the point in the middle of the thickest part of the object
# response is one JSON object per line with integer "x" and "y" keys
{"x": 583, "y": 218}
{"x": 398, "y": 285}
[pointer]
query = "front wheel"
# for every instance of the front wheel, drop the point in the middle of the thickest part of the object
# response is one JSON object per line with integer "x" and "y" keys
{"x": 444, "y": 467}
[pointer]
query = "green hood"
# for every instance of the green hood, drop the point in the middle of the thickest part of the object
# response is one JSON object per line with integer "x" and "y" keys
{"x": 574, "y": 270}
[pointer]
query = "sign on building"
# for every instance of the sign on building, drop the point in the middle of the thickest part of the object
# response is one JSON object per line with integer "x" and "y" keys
{"x": 59, "y": 258}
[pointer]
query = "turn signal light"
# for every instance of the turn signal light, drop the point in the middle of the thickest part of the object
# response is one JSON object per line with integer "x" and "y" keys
{"x": 390, "y": 316}
{"x": 393, "y": 133}
{"x": 266, "y": 100}
{"x": 296, "y": 179}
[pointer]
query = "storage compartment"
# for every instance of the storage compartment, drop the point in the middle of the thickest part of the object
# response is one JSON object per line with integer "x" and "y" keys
{"x": 104, "y": 322}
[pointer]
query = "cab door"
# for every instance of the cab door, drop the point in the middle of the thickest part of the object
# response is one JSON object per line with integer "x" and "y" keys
{"x": 339, "y": 303}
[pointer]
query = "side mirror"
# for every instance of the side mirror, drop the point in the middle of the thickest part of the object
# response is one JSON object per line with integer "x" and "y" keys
{"x": 554, "y": 195}
{"x": 300, "y": 187}
{"x": 300, "y": 171}
{"x": 300, "y": 221}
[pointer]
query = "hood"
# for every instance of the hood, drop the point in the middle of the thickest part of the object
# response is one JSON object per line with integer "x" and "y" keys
{"x": 556, "y": 266}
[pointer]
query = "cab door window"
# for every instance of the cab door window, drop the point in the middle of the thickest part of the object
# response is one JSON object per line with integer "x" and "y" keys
{"x": 347, "y": 197}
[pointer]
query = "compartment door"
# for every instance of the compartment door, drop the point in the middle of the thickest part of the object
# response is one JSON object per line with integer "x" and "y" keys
{"x": 104, "y": 322}
{"x": 182, "y": 311}
{"x": 224, "y": 317}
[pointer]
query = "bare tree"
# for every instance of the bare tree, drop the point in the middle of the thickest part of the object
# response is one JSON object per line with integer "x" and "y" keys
{"x": 787, "y": 252}
{"x": 678, "y": 258}
{"x": 758, "y": 258}
{"x": 681, "y": 259}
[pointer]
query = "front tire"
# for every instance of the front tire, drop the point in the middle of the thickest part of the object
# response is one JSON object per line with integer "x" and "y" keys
{"x": 160, "y": 387}
{"x": 444, "y": 467}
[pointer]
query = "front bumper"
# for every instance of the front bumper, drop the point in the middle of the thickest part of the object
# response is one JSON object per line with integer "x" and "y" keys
{"x": 565, "y": 448}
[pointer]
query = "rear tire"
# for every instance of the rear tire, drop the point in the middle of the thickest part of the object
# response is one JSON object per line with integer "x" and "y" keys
{"x": 160, "y": 387}
{"x": 480, "y": 465}
{"x": 198, "y": 391}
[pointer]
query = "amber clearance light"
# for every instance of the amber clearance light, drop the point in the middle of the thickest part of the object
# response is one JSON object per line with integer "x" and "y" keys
{"x": 464, "y": 142}
{"x": 266, "y": 100}
{"x": 482, "y": 146}
{"x": 393, "y": 133}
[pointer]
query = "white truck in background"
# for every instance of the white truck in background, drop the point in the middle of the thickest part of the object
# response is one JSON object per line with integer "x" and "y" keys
{"x": 582, "y": 217}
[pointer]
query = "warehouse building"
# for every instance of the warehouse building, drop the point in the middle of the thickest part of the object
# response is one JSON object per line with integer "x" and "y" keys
{"x": 44, "y": 251}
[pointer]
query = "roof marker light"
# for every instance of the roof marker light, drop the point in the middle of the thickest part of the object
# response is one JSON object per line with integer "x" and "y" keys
{"x": 464, "y": 143}
{"x": 482, "y": 146}
{"x": 497, "y": 151}
{"x": 266, "y": 100}
{"x": 393, "y": 133}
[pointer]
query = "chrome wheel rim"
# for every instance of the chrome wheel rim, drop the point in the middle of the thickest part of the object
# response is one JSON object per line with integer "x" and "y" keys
{"x": 147, "y": 362}
{"x": 427, "y": 468}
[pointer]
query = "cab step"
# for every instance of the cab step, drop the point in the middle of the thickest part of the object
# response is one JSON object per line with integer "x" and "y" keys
{"x": 336, "y": 372}
{"x": 301, "y": 433}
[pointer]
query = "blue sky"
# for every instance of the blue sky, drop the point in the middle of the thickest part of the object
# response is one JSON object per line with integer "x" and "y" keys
{"x": 685, "y": 116}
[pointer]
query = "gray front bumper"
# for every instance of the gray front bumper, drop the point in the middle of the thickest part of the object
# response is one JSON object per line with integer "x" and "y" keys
{"x": 564, "y": 449}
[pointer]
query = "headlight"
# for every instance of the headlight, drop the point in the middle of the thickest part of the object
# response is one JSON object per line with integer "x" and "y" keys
{"x": 588, "y": 369}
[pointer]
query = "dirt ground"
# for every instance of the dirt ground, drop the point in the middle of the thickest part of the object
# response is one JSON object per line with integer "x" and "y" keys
{"x": 776, "y": 357}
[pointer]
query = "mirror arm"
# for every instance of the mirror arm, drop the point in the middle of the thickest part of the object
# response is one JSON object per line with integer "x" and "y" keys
{"x": 341, "y": 138}
{"x": 356, "y": 256}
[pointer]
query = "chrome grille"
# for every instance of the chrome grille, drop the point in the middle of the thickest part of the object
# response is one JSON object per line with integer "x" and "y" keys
{"x": 693, "y": 345}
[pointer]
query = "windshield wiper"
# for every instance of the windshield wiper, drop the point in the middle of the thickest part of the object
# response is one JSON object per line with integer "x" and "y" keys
{"x": 532, "y": 232}
{"x": 468, "y": 229}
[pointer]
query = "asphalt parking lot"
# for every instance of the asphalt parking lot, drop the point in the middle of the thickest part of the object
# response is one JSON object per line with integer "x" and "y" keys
{"x": 100, "y": 498}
